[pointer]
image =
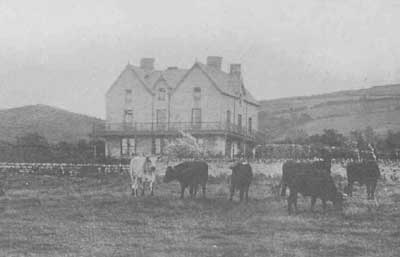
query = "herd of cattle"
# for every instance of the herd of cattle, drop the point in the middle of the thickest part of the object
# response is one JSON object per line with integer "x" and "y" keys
{"x": 309, "y": 178}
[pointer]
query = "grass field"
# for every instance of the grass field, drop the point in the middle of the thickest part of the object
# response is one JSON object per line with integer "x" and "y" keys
{"x": 90, "y": 216}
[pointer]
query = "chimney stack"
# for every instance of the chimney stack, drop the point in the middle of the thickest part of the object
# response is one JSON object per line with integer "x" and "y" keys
{"x": 236, "y": 70}
{"x": 147, "y": 64}
{"x": 215, "y": 62}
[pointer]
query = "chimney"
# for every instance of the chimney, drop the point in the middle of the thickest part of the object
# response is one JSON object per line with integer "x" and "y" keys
{"x": 214, "y": 61}
{"x": 236, "y": 70}
{"x": 147, "y": 64}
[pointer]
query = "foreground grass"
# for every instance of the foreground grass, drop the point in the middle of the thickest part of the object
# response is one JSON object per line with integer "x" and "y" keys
{"x": 72, "y": 216}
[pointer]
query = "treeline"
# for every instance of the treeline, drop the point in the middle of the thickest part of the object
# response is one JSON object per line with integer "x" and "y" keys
{"x": 386, "y": 146}
{"x": 33, "y": 147}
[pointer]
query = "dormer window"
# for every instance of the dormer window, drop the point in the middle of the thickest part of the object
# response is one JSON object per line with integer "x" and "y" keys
{"x": 128, "y": 96}
{"x": 197, "y": 93}
{"x": 161, "y": 94}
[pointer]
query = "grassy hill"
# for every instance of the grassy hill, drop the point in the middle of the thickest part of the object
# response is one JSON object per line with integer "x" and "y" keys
{"x": 378, "y": 107}
{"x": 53, "y": 123}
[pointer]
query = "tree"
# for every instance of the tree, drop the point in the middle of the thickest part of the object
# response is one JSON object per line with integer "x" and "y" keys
{"x": 370, "y": 136}
{"x": 332, "y": 137}
{"x": 33, "y": 147}
{"x": 357, "y": 138}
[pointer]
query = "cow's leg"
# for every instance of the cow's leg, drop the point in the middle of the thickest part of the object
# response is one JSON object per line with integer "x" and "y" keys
{"x": 323, "y": 204}
{"x": 204, "y": 190}
{"x": 191, "y": 191}
{"x": 313, "y": 200}
{"x": 232, "y": 192}
{"x": 151, "y": 188}
{"x": 290, "y": 201}
{"x": 134, "y": 187}
{"x": 195, "y": 190}
{"x": 247, "y": 193}
{"x": 295, "y": 203}
{"x": 373, "y": 188}
{"x": 283, "y": 189}
{"x": 350, "y": 188}
{"x": 143, "y": 182}
{"x": 241, "y": 193}
{"x": 182, "y": 190}
{"x": 368, "y": 185}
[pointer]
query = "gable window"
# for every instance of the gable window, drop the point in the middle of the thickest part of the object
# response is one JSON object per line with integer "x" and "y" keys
{"x": 161, "y": 94}
{"x": 128, "y": 96}
{"x": 128, "y": 117}
{"x": 197, "y": 93}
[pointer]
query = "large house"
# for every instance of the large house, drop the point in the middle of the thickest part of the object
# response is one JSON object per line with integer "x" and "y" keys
{"x": 147, "y": 108}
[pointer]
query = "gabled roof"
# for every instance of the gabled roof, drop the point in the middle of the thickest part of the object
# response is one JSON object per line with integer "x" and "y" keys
{"x": 171, "y": 76}
{"x": 228, "y": 84}
{"x": 224, "y": 82}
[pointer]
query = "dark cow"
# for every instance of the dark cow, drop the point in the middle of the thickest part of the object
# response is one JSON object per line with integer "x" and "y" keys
{"x": 314, "y": 183}
{"x": 189, "y": 174}
{"x": 241, "y": 178}
{"x": 303, "y": 166}
{"x": 364, "y": 172}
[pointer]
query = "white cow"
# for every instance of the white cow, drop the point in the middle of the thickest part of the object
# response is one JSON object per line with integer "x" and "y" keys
{"x": 142, "y": 171}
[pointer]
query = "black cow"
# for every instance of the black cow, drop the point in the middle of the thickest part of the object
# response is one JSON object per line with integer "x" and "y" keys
{"x": 314, "y": 183}
{"x": 189, "y": 173}
{"x": 364, "y": 172}
{"x": 290, "y": 167}
{"x": 242, "y": 175}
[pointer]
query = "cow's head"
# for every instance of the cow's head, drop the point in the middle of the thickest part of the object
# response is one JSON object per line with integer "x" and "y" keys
{"x": 169, "y": 174}
{"x": 151, "y": 162}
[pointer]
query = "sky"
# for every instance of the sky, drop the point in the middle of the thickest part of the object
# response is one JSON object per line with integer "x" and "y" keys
{"x": 68, "y": 53}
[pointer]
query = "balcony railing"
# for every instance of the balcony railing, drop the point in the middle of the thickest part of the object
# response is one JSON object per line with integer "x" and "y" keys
{"x": 174, "y": 128}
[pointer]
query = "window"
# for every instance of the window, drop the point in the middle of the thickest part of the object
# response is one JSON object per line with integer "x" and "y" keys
{"x": 161, "y": 94}
{"x": 240, "y": 99}
{"x": 128, "y": 116}
{"x": 128, "y": 146}
{"x": 128, "y": 96}
{"x": 196, "y": 93}
{"x": 228, "y": 117}
{"x": 250, "y": 125}
{"x": 196, "y": 117}
{"x": 239, "y": 121}
{"x": 158, "y": 147}
{"x": 161, "y": 118}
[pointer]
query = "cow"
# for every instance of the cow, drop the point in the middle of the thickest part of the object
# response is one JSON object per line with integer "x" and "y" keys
{"x": 189, "y": 174}
{"x": 293, "y": 166}
{"x": 142, "y": 171}
{"x": 364, "y": 172}
{"x": 315, "y": 183}
{"x": 241, "y": 178}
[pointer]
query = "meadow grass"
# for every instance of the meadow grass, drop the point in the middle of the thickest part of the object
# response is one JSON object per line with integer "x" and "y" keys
{"x": 43, "y": 215}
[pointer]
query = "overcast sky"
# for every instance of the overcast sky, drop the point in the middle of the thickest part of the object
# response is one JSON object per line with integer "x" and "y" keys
{"x": 67, "y": 53}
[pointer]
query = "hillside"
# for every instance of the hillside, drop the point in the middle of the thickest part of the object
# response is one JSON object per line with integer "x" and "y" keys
{"x": 53, "y": 123}
{"x": 377, "y": 107}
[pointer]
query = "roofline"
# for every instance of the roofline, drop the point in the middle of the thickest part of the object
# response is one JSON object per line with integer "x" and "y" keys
{"x": 187, "y": 74}
{"x": 160, "y": 78}
{"x": 129, "y": 67}
{"x": 212, "y": 82}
